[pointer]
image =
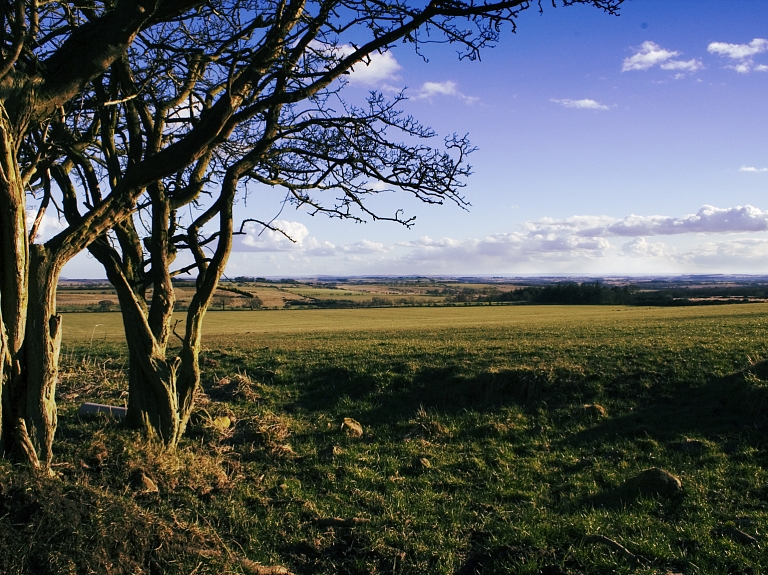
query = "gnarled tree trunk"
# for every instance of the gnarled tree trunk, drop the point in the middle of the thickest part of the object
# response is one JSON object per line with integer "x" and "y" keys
{"x": 31, "y": 328}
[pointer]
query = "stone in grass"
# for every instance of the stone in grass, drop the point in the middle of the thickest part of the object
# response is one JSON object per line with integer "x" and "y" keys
{"x": 593, "y": 411}
{"x": 692, "y": 446}
{"x": 143, "y": 483}
{"x": 331, "y": 451}
{"x": 352, "y": 427}
{"x": 221, "y": 423}
{"x": 421, "y": 463}
{"x": 653, "y": 481}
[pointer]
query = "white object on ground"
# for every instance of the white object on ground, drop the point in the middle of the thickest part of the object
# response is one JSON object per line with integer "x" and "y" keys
{"x": 91, "y": 408}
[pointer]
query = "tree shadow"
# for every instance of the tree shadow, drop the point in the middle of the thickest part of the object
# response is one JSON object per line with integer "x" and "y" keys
{"x": 444, "y": 389}
{"x": 721, "y": 408}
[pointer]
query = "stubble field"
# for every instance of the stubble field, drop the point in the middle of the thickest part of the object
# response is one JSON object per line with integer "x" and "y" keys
{"x": 477, "y": 455}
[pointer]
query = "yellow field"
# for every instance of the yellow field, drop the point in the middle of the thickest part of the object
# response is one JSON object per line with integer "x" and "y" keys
{"x": 79, "y": 327}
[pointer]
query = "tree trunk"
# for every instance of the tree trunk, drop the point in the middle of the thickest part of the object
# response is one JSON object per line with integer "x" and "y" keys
{"x": 161, "y": 393}
{"x": 153, "y": 404}
{"x": 31, "y": 329}
{"x": 41, "y": 348}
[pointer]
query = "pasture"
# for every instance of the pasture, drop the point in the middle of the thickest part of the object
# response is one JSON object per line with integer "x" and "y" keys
{"x": 477, "y": 454}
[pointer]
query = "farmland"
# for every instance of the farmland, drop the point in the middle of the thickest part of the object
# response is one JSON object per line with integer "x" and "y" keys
{"x": 477, "y": 453}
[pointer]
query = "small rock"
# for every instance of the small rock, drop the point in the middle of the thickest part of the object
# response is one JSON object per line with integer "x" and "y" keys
{"x": 593, "y": 411}
{"x": 692, "y": 446}
{"x": 653, "y": 481}
{"x": 421, "y": 463}
{"x": 99, "y": 454}
{"x": 352, "y": 427}
{"x": 143, "y": 483}
{"x": 221, "y": 423}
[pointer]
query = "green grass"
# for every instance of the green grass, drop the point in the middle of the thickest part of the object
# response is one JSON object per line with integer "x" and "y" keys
{"x": 492, "y": 397}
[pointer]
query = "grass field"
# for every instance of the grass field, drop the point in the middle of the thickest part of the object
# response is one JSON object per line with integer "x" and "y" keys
{"x": 478, "y": 455}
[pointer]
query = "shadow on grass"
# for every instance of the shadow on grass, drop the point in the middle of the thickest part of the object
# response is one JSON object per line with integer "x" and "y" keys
{"x": 444, "y": 389}
{"x": 723, "y": 407}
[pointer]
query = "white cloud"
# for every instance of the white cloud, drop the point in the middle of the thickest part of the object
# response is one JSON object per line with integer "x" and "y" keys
{"x": 651, "y": 54}
{"x": 743, "y": 68}
{"x": 258, "y": 239}
{"x": 739, "y": 254}
{"x": 639, "y": 248}
{"x": 743, "y": 53}
{"x": 380, "y": 68}
{"x": 429, "y": 90}
{"x": 375, "y": 70}
{"x": 364, "y": 247}
{"x": 504, "y": 248}
{"x": 579, "y": 244}
{"x": 585, "y": 104}
{"x": 752, "y": 169}
{"x": 314, "y": 247}
{"x": 49, "y": 225}
{"x": 708, "y": 219}
{"x": 739, "y": 51}
{"x": 686, "y": 65}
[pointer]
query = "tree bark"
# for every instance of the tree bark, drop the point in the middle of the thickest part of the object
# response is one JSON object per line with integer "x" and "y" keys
{"x": 41, "y": 347}
{"x": 31, "y": 337}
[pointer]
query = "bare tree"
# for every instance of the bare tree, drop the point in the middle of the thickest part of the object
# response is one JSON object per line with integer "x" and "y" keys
{"x": 107, "y": 109}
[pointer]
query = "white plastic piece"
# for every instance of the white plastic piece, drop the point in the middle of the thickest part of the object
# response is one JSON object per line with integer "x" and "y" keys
{"x": 91, "y": 408}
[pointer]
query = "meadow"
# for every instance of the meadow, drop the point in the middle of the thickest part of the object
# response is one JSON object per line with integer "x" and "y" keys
{"x": 482, "y": 448}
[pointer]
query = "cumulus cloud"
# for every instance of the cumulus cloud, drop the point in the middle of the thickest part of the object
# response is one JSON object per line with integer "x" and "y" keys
{"x": 743, "y": 254}
{"x": 375, "y": 70}
{"x": 49, "y": 225}
{"x": 364, "y": 247}
{"x": 585, "y": 104}
{"x": 752, "y": 169}
{"x": 685, "y": 65}
{"x": 429, "y": 90}
{"x": 651, "y": 54}
{"x": 577, "y": 243}
{"x": 504, "y": 248}
{"x": 257, "y": 239}
{"x": 739, "y": 51}
{"x": 640, "y": 248}
{"x": 708, "y": 219}
{"x": 743, "y": 54}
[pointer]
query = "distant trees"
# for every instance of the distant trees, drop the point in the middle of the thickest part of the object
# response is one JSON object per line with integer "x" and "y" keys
{"x": 568, "y": 294}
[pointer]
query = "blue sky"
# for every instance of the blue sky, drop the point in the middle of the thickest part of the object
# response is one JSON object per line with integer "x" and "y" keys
{"x": 629, "y": 145}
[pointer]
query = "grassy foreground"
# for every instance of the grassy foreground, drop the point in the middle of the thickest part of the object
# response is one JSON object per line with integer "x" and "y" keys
{"x": 477, "y": 453}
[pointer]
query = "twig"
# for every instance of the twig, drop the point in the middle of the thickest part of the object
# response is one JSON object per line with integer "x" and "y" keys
{"x": 613, "y": 546}
{"x": 339, "y": 522}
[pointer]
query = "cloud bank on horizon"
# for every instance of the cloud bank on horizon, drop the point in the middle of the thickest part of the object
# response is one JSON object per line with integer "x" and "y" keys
{"x": 576, "y": 240}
